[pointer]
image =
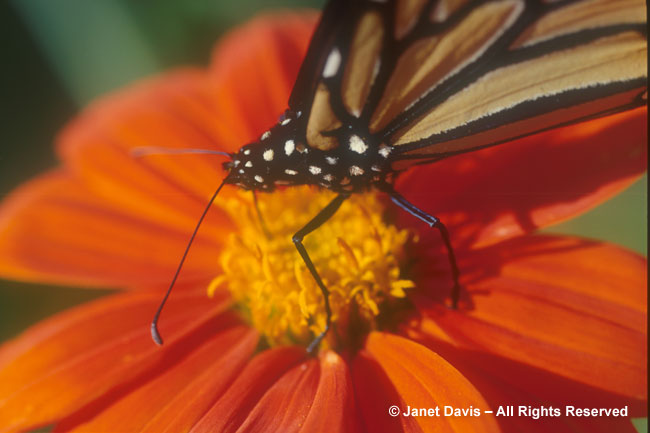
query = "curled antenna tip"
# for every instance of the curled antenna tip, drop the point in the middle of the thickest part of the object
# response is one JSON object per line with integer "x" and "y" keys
{"x": 155, "y": 335}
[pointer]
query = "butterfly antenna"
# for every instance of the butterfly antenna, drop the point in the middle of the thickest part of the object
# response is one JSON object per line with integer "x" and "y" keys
{"x": 155, "y": 334}
{"x": 155, "y": 150}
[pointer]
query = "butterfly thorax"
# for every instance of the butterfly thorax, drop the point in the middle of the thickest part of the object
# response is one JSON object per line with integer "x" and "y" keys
{"x": 353, "y": 162}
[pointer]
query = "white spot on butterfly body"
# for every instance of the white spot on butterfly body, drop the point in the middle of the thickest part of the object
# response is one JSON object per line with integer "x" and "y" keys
{"x": 332, "y": 63}
{"x": 289, "y": 146}
{"x": 384, "y": 150}
{"x": 268, "y": 155}
{"x": 357, "y": 144}
{"x": 260, "y": 179}
{"x": 356, "y": 170}
{"x": 331, "y": 160}
{"x": 266, "y": 135}
{"x": 291, "y": 172}
{"x": 314, "y": 170}
{"x": 248, "y": 164}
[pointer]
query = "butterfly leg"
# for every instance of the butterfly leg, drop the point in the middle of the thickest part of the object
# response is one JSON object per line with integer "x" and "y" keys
{"x": 312, "y": 225}
{"x": 444, "y": 233}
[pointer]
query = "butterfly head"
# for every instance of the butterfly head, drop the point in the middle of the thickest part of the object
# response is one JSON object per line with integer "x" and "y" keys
{"x": 275, "y": 159}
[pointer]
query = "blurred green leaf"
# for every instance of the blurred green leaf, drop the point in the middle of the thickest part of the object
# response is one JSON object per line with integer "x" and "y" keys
{"x": 94, "y": 46}
{"x": 621, "y": 220}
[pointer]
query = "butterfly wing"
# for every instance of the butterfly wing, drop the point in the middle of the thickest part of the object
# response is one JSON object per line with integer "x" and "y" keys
{"x": 438, "y": 78}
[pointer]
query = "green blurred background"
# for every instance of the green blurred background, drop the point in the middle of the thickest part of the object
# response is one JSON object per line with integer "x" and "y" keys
{"x": 60, "y": 55}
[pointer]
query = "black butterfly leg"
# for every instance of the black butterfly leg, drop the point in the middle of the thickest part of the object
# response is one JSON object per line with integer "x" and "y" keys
{"x": 433, "y": 222}
{"x": 312, "y": 225}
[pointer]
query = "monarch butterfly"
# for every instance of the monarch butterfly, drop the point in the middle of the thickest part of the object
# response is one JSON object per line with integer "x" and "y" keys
{"x": 389, "y": 84}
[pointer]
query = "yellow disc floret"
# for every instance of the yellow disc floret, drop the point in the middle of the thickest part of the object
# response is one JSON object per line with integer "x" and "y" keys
{"x": 356, "y": 254}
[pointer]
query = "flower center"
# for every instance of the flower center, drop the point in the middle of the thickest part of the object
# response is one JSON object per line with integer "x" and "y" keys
{"x": 356, "y": 254}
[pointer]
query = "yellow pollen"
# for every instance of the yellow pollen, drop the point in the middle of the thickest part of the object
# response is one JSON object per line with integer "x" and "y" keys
{"x": 356, "y": 253}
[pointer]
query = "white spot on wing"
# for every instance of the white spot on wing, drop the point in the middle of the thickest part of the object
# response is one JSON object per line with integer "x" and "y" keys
{"x": 332, "y": 63}
{"x": 356, "y": 170}
{"x": 328, "y": 177}
{"x": 291, "y": 172}
{"x": 266, "y": 135}
{"x": 289, "y": 146}
{"x": 248, "y": 164}
{"x": 357, "y": 144}
{"x": 314, "y": 170}
{"x": 440, "y": 13}
{"x": 268, "y": 155}
{"x": 247, "y": 152}
{"x": 260, "y": 179}
{"x": 376, "y": 68}
{"x": 285, "y": 121}
{"x": 331, "y": 160}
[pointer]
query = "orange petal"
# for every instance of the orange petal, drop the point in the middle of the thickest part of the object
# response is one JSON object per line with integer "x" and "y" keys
{"x": 422, "y": 379}
{"x": 286, "y": 405}
{"x": 311, "y": 397}
{"x": 176, "y": 399}
{"x": 176, "y": 111}
{"x": 265, "y": 370}
{"x": 564, "y": 306}
{"x": 256, "y": 66}
{"x": 333, "y": 408}
{"x": 53, "y": 229}
{"x": 375, "y": 394}
{"x": 511, "y": 387}
{"x": 517, "y": 187}
{"x": 99, "y": 350}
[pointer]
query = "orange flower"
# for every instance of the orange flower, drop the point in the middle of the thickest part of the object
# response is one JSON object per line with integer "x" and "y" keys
{"x": 544, "y": 320}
